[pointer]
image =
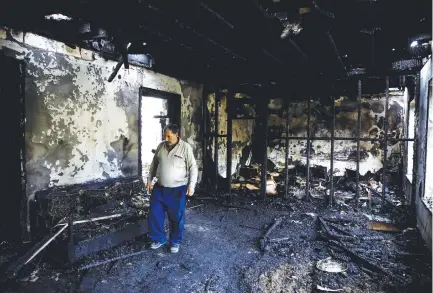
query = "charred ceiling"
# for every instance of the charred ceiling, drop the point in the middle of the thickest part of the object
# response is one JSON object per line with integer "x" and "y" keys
{"x": 256, "y": 44}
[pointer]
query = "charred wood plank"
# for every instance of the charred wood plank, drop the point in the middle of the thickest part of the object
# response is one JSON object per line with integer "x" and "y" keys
{"x": 277, "y": 240}
{"x": 272, "y": 227}
{"x": 362, "y": 261}
{"x": 116, "y": 70}
{"x": 238, "y": 207}
{"x": 99, "y": 263}
{"x": 264, "y": 240}
{"x": 124, "y": 52}
{"x": 109, "y": 240}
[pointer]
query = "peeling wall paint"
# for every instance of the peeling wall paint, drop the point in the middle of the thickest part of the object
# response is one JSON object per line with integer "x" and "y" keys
{"x": 81, "y": 128}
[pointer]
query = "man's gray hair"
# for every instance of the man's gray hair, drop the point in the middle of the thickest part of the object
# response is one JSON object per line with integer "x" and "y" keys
{"x": 173, "y": 127}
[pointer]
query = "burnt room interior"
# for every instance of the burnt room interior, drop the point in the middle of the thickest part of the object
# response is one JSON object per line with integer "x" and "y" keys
{"x": 311, "y": 123}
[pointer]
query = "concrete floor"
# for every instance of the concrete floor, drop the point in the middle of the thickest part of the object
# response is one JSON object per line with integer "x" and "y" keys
{"x": 221, "y": 253}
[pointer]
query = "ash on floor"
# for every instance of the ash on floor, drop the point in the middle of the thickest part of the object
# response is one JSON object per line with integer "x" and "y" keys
{"x": 223, "y": 252}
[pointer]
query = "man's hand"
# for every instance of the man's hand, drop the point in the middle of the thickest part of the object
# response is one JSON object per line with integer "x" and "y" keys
{"x": 149, "y": 188}
{"x": 190, "y": 191}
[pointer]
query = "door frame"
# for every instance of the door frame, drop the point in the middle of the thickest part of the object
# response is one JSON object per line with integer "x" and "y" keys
{"x": 24, "y": 219}
{"x": 174, "y": 110}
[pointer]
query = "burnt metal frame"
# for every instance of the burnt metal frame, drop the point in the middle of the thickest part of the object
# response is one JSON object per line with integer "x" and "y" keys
{"x": 307, "y": 185}
{"x": 230, "y": 115}
{"x": 415, "y": 175}
{"x": 331, "y": 172}
{"x": 286, "y": 161}
{"x": 333, "y": 138}
{"x": 385, "y": 148}
{"x": 215, "y": 135}
{"x": 308, "y": 138}
{"x": 358, "y": 136}
{"x": 205, "y": 138}
{"x": 217, "y": 101}
{"x": 264, "y": 110}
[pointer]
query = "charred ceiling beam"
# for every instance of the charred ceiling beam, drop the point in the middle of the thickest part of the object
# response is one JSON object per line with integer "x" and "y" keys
{"x": 216, "y": 14}
{"x": 116, "y": 70}
{"x": 124, "y": 52}
{"x": 194, "y": 31}
{"x": 168, "y": 14}
{"x": 123, "y": 60}
{"x": 199, "y": 59}
{"x": 166, "y": 38}
{"x": 323, "y": 12}
{"x": 297, "y": 48}
{"x": 270, "y": 55}
{"x": 334, "y": 47}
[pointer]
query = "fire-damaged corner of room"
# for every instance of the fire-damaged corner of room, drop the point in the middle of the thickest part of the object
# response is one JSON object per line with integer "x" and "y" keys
{"x": 216, "y": 146}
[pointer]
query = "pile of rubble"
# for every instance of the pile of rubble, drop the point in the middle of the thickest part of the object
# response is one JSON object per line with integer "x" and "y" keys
{"x": 350, "y": 246}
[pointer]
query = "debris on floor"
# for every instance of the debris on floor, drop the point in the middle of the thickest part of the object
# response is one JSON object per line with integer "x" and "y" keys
{"x": 240, "y": 243}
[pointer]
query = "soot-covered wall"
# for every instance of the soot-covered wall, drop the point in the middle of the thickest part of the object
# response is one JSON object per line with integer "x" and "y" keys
{"x": 80, "y": 127}
{"x": 372, "y": 126}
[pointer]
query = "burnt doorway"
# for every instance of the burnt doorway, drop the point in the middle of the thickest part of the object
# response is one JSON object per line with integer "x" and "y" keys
{"x": 12, "y": 96}
{"x": 157, "y": 109}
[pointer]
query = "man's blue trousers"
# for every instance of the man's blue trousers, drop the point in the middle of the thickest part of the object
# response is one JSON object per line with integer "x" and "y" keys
{"x": 172, "y": 200}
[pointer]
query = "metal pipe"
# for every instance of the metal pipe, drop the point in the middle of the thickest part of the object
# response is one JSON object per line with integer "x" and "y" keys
{"x": 265, "y": 149}
{"x": 216, "y": 14}
{"x": 292, "y": 42}
{"x": 358, "y": 139}
{"x": 71, "y": 243}
{"x": 307, "y": 186}
{"x": 347, "y": 138}
{"x": 204, "y": 141}
{"x": 334, "y": 47}
{"x": 286, "y": 162}
{"x": 270, "y": 55}
{"x": 415, "y": 175}
{"x": 227, "y": 50}
{"x": 230, "y": 111}
{"x": 331, "y": 177}
{"x": 217, "y": 99}
{"x": 97, "y": 219}
{"x": 46, "y": 243}
{"x": 385, "y": 147}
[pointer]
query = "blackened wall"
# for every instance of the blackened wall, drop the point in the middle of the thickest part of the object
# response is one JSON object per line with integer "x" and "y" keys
{"x": 80, "y": 127}
{"x": 372, "y": 126}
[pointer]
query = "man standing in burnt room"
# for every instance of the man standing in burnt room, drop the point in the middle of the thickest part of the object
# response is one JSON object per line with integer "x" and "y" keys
{"x": 175, "y": 168}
